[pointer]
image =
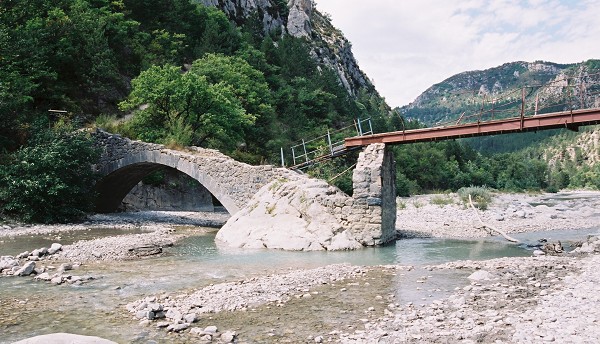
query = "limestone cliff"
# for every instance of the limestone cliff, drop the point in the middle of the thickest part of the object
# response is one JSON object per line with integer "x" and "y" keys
{"x": 300, "y": 18}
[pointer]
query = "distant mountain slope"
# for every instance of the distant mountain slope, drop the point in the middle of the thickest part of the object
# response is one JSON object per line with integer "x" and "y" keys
{"x": 466, "y": 92}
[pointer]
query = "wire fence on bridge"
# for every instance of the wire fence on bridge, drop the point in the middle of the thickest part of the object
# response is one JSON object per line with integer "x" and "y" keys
{"x": 329, "y": 145}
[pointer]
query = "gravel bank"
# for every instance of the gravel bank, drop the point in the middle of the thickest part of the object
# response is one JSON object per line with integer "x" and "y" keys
{"x": 418, "y": 216}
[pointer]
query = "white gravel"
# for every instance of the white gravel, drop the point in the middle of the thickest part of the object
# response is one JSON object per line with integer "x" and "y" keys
{"x": 512, "y": 213}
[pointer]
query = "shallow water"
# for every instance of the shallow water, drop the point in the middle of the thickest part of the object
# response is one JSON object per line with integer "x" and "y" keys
{"x": 12, "y": 246}
{"x": 30, "y": 308}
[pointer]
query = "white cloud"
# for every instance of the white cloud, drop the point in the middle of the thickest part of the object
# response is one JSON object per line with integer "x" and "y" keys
{"x": 407, "y": 46}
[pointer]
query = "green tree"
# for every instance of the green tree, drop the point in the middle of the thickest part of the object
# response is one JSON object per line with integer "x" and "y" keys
{"x": 50, "y": 180}
{"x": 171, "y": 106}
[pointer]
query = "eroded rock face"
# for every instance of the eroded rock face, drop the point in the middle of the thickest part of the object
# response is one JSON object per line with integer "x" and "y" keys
{"x": 290, "y": 215}
{"x": 299, "y": 22}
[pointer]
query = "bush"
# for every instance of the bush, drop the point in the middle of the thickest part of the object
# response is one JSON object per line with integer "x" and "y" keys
{"x": 51, "y": 180}
{"x": 481, "y": 196}
{"x": 442, "y": 200}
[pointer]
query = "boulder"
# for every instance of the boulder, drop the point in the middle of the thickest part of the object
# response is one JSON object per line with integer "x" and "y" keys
{"x": 290, "y": 215}
{"x": 228, "y": 337}
{"x": 55, "y": 247}
{"x": 64, "y": 338}
{"x": 7, "y": 262}
{"x": 26, "y": 270}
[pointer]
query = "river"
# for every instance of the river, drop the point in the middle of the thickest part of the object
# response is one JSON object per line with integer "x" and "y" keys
{"x": 29, "y": 308}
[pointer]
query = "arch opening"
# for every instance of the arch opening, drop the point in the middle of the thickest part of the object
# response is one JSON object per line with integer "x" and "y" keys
{"x": 116, "y": 186}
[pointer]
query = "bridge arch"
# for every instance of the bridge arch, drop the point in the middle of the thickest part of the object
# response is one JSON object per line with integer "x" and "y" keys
{"x": 113, "y": 188}
{"x": 124, "y": 163}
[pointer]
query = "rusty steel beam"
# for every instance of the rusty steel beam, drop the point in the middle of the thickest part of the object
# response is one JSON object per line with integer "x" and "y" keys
{"x": 568, "y": 119}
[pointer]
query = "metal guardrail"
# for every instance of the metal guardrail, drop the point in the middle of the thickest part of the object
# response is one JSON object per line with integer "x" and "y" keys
{"x": 326, "y": 146}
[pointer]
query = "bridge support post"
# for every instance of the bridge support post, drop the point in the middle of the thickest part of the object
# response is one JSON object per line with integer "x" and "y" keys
{"x": 374, "y": 206}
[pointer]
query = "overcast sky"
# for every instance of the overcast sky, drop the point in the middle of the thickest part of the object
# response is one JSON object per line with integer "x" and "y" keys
{"x": 405, "y": 46}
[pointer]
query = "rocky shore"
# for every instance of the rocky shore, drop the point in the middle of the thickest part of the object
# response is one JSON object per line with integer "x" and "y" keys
{"x": 507, "y": 300}
{"x": 445, "y": 216}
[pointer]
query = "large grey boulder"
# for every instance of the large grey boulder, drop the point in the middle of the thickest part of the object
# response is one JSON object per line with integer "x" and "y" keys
{"x": 26, "y": 270}
{"x": 296, "y": 215}
{"x": 64, "y": 338}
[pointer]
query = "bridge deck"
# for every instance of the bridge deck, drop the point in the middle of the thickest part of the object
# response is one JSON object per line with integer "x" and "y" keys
{"x": 568, "y": 119}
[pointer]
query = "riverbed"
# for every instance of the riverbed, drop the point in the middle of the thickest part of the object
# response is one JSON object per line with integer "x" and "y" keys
{"x": 398, "y": 274}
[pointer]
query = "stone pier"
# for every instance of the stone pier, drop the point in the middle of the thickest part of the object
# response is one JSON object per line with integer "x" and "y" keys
{"x": 374, "y": 183}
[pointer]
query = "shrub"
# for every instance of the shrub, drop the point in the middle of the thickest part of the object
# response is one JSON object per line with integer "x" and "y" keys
{"x": 481, "y": 196}
{"x": 442, "y": 200}
{"x": 51, "y": 180}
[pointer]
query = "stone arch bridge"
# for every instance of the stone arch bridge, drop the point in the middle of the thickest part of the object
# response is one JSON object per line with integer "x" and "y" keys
{"x": 369, "y": 215}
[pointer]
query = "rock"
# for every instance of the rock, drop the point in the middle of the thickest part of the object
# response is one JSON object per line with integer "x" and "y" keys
{"x": 190, "y": 318}
{"x": 538, "y": 253}
{"x": 23, "y": 255}
{"x": 228, "y": 336}
{"x": 64, "y": 338}
{"x": 7, "y": 262}
{"x": 319, "y": 339}
{"x": 164, "y": 324}
{"x": 197, "y": 331}
{"x": 39, "y": 252}
{"x": 299, "y": 24}
{"x": 499, "y": 217}
{"x": 55, "y": 247}
{"x": 211, "y": 329}
{"x": 520, "y": 214}
{"x": 480, "y": 275}
{"x": 178, "y": 327}
{"x": 174, "y": 314}
{"x": 145, "y": 250}
{"x": 65, "y": 267}
{"x": 26, "y": 270}
{"x": 288, "y": 215}
{"x": 43, "y": 276}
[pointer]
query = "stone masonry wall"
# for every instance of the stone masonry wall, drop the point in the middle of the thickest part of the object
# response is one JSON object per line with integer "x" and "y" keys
{"x": 373, "y": 212}
{"x": 233, "y": 183}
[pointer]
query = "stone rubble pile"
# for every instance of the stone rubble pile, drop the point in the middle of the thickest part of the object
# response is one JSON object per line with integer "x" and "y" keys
{"x": 179, "y": 313}
{"x": 119, "y": 247}
{"x": 24, "y": 265}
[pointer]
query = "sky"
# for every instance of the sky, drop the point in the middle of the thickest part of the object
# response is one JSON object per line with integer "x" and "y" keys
{"x": 406, "y": 46}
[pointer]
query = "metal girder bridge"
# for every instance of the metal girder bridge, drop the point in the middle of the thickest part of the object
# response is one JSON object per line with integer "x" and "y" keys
{"x": 567, "y": 119}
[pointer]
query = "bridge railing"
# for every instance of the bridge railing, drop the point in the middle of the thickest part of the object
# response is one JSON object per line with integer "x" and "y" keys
{"x": 331, "y": 144}
{"x": 559, "y": 95}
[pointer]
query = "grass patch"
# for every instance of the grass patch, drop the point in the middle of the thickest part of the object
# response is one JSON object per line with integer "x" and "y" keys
{"x": 442, "y": 200}
{"x": 482, "y": 196}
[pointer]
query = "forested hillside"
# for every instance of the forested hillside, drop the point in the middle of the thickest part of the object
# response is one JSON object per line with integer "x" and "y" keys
{"x": 244, "y": 77}
{"x": 550, "y": 160}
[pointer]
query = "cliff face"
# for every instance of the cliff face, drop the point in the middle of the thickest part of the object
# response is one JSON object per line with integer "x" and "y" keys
{"x": 300, "y": 18}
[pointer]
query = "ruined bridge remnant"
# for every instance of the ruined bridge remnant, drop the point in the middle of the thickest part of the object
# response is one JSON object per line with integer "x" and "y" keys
{"x": 124, "y": 163}
{"x": 367, "y": 218}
